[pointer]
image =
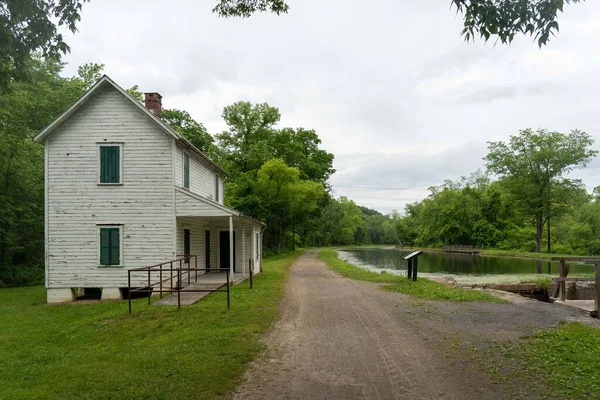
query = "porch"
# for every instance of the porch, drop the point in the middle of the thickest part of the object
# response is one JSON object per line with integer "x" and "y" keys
{"x": 222, "y": 238}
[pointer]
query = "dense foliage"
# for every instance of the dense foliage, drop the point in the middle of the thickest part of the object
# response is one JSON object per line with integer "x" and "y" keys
{"x": 490, "y": 214}
{"x": 500, "y": 19}
{"x": 30, "y": 26}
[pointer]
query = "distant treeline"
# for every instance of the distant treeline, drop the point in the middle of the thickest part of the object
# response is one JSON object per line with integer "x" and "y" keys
{"x": 533, "y": 205}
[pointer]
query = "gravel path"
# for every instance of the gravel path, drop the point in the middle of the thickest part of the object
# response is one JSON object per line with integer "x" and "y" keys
{"x": 344, "y": 339}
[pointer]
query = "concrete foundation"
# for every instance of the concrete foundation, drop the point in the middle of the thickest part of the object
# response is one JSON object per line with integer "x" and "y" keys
{"x": 111, "y": 294}
{"x": 580, "y": 290}
{"x": 59, "y": 295}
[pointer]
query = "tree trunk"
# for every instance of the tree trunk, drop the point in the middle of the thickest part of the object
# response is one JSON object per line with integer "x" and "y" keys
{"x": 280, "y": 234}
{"x": 539, "y": 233}
{"x": 294, "y": 237}
{"x": 549, "y": 243}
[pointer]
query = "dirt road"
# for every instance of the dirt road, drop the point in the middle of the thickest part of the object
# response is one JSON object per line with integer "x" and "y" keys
{"x": 345, "y": 339}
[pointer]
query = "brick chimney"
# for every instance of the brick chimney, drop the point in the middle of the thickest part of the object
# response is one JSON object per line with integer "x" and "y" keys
{"x": 153, "y": 102}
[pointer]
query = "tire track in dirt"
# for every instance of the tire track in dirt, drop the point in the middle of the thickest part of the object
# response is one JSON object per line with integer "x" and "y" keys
{"x": 343, "y": 339}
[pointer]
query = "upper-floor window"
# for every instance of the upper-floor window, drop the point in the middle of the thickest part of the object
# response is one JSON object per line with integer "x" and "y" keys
{"x": 186, "y": 170}
{"x": 110, "y": 163}
{"x": 217, "y": 184}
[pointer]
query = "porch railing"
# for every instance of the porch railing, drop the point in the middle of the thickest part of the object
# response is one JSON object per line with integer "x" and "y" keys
{"x": 179, "y": 270}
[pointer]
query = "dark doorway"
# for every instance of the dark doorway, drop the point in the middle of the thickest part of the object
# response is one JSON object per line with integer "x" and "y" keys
{"x": 224, "y": 250}
{"x": 207, "y": 249}
{"x": 187, "y": 244}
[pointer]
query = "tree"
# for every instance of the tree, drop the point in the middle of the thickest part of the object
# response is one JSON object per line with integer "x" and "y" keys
{"x": 534, "y": 165}
{"x": 502, "y": 19}
{"x": 30, "y": 26}
{"x": 246, "y": 146}
{"x": 340, "y": 221}
{"x": 283, "y": 196}
{"x": 90, "y": 73}
{"x": 245, "y": 8}
{"x": 182, "y": 122}
{"x": 26, "y": 107}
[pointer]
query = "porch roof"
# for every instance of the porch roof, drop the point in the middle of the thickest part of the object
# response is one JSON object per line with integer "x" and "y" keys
{"x": 188, "y": 204}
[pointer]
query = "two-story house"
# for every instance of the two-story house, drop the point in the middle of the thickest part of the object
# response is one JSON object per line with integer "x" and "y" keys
{"x": 124, "y": 190}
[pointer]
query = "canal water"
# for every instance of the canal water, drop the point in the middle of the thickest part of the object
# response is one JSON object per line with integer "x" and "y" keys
{"x": 464, "y": 268}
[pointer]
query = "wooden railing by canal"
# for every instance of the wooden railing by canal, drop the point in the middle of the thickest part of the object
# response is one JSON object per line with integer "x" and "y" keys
{"x": 563, "y": 278}
{"x": 460, "y": 249}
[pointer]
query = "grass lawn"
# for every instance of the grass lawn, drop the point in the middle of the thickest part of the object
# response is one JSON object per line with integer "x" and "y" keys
{"x": 566, "y": 357}
{"x": 98, "y": 351}
{"x": 422, "y": 288}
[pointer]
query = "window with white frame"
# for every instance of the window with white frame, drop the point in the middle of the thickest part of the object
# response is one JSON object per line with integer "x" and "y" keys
{"x": 110, "y": 245}
{"x": 110, "y": 163}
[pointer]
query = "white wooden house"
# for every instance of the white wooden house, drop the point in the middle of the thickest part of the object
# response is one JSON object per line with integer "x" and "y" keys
{"x": 124, "y": 190}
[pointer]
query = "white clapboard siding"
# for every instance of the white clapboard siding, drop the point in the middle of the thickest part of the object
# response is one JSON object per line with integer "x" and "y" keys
{"x": 143, "y": 204}
{"x": 191, "y": 205}
{"x": 202, "y": 176}
{"x": 197, "y": 228}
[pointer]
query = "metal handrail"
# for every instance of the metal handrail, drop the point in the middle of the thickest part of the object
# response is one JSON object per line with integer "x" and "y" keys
{"x": 150, "y": 286}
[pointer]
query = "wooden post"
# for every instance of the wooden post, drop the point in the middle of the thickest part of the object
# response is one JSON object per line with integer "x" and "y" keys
{"x": 415, "y": 267}
{"x": 410, "y": 267}
{"x": 129, "y": 288}
{"x": 243, "y": 248}
{"x": 251, "y": 270}
{"x": 562, "y": 284}
{"x": 230, "y": 276}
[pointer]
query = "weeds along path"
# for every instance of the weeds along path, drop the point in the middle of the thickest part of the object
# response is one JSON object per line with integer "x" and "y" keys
{"x": 345, "y": 339}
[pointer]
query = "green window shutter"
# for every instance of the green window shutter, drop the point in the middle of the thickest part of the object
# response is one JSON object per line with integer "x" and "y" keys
{"x": 186, "y": 170}
{"x": 104, "y": 246}
{"x": 217, "y": 188}
{"x": 110, "y": 168}
{"x": 110, "y": 249}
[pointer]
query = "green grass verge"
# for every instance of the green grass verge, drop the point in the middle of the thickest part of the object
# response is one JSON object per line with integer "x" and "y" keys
{"x": 98, "y": 351}
{"x": 422, "y": 288}
{"x": 543, "y": 281}
{"x": 566, "y": 357}
{"x": 521, "y": 254}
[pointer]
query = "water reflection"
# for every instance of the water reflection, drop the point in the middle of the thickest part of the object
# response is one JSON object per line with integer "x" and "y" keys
{"x": 463, "y": 267}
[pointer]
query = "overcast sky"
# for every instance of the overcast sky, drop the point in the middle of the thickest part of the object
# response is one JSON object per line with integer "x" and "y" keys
{"x": 389, "y": 86}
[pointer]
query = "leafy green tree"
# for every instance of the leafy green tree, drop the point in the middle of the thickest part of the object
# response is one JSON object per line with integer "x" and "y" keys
{"x": 90, "y": 73}
{"x": 182, "y": 122}
{"x": 534, "y": 165}
{"x": 246, "y": 145}
{"x": 245, "y": 8}
{"x": 31, "y": 26}
{"x": 300, "y": 148}
{"x": 135, "y": 92}
{"x": 502, "y": 19}
{"x": 26, "y": 107}
{"x": 340, "y": 221}
{"x": 284, "y": 197}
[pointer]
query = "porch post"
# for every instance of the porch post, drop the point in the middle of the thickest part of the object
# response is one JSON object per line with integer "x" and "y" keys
{"x": 231, "y": 247}
{"x": 244, "y": 248}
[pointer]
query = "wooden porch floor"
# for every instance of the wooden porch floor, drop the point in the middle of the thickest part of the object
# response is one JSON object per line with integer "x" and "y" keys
{"x": 210, "y": 281}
